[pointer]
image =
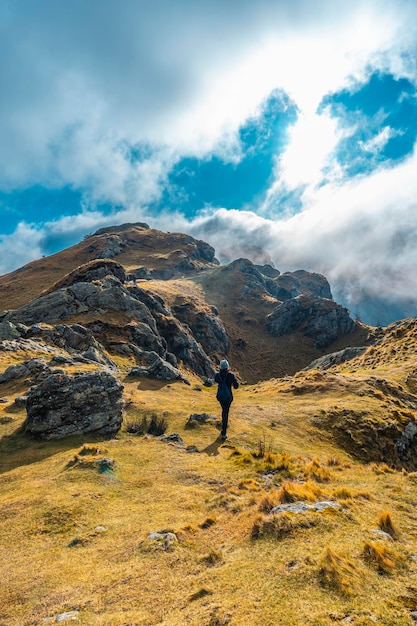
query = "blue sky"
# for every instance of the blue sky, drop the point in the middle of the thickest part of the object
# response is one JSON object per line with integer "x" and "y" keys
{"x": 276, "y": 130}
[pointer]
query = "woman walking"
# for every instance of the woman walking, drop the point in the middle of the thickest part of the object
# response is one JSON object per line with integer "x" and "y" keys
{"x": 226, "y": 380}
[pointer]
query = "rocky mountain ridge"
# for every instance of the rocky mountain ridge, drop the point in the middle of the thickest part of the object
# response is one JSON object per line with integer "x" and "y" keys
{"x": 118, "y": 303}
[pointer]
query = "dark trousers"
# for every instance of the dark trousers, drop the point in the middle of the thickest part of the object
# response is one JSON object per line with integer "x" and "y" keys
{"x": 225, "y": 415}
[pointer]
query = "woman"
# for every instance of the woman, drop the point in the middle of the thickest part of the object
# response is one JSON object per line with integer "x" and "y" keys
{"x": 226, "y": 380}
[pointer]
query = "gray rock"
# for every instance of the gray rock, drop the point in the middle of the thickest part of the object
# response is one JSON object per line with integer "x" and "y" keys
{"x": 33, "y": 368}
{"x": 329, "y": 360}
{"x": 8, "y": 331}
{"x": 321, "y": 319}
{"x": 167, "y": 539}
{"x": 201, "y": 418}
{"x": 68, "y": 615}
{"x": 172, "y": 438}
{"x": 302, "y": 507}
{"x": 382, "y": 534}
{"x": 97, "y": 356}
{"x": 65, "y": 405}
{"x": 82, "y": 297}
{"x": 20, "y": 401}
{"x": 406, "y": 440}
{"x": 158, "y": 369}
{"x": 205, "y": 325}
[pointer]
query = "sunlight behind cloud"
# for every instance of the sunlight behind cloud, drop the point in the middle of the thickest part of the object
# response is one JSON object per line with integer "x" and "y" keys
{"x": 312, "y": 140}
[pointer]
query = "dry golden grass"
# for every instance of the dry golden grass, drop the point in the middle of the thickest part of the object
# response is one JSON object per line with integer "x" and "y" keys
{"x": 385, "y": 559}
{"x": 386, "y": 524}
{"x": 339, "y": 573}
{"x": 74, "y": 537}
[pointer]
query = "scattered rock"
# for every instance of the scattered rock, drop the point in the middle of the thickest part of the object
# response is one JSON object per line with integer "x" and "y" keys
{"x": 192, "y": 449}
{"x": 63, "y": 617}
{"x": 382, "y": 534}
{"x": 173, "y": 438}
{"x": 20, "y": 401}
{"x": 6, "y": 420}
{"x": 159, "y": 369}
{"x": 201, "y": 418}
{"x": 329, "y": 360}
{"x": 65, "y": 405}
{"x": 36, "y": 369}
{"x": 4, "y": 400}
{"x": 406, "y": 440}
{"x": 168, "y": 539}
{"x": 302, "y": 507}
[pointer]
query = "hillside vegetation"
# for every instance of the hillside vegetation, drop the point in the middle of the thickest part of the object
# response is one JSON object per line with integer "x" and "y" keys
{"x": 166, "y": 525}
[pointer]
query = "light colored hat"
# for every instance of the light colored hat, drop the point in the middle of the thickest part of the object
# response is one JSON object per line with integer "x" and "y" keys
{"x": 224, "y": 365}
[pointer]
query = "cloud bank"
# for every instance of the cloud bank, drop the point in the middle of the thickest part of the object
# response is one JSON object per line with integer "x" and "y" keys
{"x": 157, "y": 112}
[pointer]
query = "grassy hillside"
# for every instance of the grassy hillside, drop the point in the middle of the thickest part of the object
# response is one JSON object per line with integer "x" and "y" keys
{"x": 75, "y": 529}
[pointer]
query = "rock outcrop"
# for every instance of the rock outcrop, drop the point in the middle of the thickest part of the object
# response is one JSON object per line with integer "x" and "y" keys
{"x": 158, "y": 369}
{"x": 63, "y": 405}
{"x": 205, "y": 325}
{"x": 321, "y": 319}
{"x": 335, "y": 358}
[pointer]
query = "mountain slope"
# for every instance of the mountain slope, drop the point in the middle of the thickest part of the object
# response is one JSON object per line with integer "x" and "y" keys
{"x": 182, "y": 528}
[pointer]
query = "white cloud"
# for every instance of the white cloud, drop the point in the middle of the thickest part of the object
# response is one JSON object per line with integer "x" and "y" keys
{"x": 82, "y": 82}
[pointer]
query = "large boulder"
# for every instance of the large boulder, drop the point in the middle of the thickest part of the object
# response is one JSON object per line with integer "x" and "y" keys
{"x": 65, "y": 405}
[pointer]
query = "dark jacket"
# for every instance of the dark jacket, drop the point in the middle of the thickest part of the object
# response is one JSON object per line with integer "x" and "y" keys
{"x": 229, "y": 378}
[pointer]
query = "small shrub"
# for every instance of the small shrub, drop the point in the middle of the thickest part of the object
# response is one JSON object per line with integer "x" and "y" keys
{"x": 339, "y": 573}
{"x": 364, "y": 495}
{"x": 93, "y": 450}
{"x": 157, "y": 426}
{"x": 263, "y": 449}
{"x": 383, "y": 558}
{"x": 152, "y": 425}
{"x": 385, "y": 523}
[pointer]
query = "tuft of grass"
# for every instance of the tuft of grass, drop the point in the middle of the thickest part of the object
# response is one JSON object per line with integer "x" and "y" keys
{"x": 386, "y": 524}
{"x": 317, "y": 472}
{"x": 381, "y": 468}
{"x": 145, "y": 424}
{"x": 248, "y": 484}
{"x": 385, "y": 559}
{"x": 213, "y": 558}
{"x": 267, "y": 503}
{"x": 294, "y": 492}
{"x": 343, "y": 493}
{"x": 339, "y": 573}
{"x": 280, "y": 525}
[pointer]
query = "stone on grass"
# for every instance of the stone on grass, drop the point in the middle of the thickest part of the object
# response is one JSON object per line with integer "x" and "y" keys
{"x": 302, "y": 507}
{"x": 65, "y": 405}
